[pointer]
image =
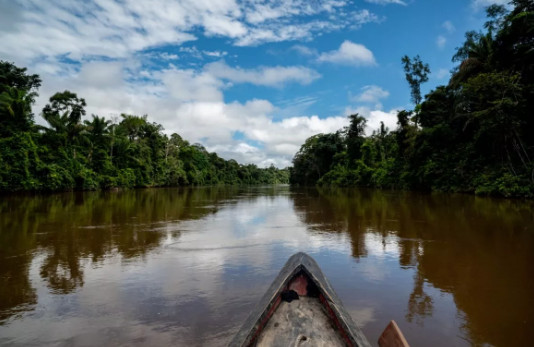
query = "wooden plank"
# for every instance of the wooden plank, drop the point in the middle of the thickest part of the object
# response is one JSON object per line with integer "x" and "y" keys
{"x": 300, "y": 322}
{"x": 392, "y": 337}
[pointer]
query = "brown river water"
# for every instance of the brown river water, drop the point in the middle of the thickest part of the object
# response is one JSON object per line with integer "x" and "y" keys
{"x": 186, "y": 266}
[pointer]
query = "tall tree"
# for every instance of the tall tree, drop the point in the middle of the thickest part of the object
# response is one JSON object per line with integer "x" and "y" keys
{"x": 475, "y": 56}
{"x": 355, "y": 136}
{"x": 64, "y": 113}
{"x": 97, "y": 133}
{"x": 416, "y": 74}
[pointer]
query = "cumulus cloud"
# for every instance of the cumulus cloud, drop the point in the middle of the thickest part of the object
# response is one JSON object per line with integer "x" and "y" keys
{"x": 279, "y": 140}
{"x": 349, "y": 53}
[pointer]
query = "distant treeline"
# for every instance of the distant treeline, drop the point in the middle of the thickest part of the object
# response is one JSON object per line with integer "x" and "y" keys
{"x": 71, "y": 153}
{"x": 475, "y": 134}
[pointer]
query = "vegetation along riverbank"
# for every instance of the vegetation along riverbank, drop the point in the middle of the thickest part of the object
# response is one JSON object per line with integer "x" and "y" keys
{"x": 472, "y": 135}
{"x": 75, "y": 154}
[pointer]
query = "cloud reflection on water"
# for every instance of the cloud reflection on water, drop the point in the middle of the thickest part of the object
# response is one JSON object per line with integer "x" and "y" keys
{"x": 163, "y": 265}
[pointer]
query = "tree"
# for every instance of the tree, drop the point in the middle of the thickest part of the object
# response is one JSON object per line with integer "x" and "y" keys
{"x": 416, "y": 74}
{"x": 97, "y": 133}
{"x": 315, "y": 158}
{"x": 15, "y": 77}
{"x": 15, "y": 111}
{"x": 132, "y": 125}
{"x": 491, "y": 105}
{"x": 17, "y": 94}
{"x": 475, "y": 56}
{"x": 64, "y": 114}
{"x": 355, "y": 136}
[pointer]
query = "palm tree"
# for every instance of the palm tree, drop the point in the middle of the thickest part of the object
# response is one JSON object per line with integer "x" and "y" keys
{"x": 15, "y": 111}
{"x": 477, "y": 56}
{"x": 97, "y": 134}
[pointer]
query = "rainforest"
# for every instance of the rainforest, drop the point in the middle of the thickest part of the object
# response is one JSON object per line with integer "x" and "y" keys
{"x": 473, "y": 135}
{"x": 75, "y": 154}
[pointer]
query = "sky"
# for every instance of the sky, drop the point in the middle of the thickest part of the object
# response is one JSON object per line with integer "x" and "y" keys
{"x": 250, "y": 80}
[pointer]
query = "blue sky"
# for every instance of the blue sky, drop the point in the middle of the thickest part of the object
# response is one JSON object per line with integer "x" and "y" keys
{"x": 250, "y": 80}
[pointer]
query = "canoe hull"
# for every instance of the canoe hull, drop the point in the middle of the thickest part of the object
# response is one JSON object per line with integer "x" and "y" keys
{"x": 302, "y": 275}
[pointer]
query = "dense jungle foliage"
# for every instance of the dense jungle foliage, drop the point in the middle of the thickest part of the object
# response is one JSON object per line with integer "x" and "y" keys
{"x": 472, "y": 135}
{"x": 77, "y": 153}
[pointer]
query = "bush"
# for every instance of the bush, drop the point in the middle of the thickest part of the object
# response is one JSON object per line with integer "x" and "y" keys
{"x": 107, "y": 182}
{"x": 57, "y": 178}
{"x": 506, "y": 185}
{"x": 126, "y": 178}
{"x": 339, "y": 176}
{"x": 19, "y": 163}
{"x": 85, "y": 178}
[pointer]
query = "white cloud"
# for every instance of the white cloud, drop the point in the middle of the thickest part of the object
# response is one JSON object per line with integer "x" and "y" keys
{"x": 119, "y": 28}
{"x": 188, "y": 85}
{"x": 441, "y": 41}
{"x": 447, "y": 25}
{"x": 213, "y": 124}
{"x": 215, "y": 54}
{"x": 371, "y": 94}
{"x": 288, "y": 32}
{"x": 260, "y": 12}
{"x": 266, "y": 76}
{"x": 386, "y": 2}
{"x": 192, "y": 51}
{"x": 107, "y": 28}
{"x": 168, "y": 56}
{"x": 101, "y": 74}
{"x": 349, "y": 53}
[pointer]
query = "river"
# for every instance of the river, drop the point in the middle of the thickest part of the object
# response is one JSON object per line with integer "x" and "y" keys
{"x": 186, "y": 266}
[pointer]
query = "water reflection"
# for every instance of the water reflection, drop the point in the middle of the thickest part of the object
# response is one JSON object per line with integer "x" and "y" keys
{"x": 69, "y": 228}
{"x": 161, "y": 266}
{"x": 479, "y": 250}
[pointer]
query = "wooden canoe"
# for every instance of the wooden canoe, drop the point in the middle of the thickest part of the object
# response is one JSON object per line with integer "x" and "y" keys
{"x": 300, "y": 308}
